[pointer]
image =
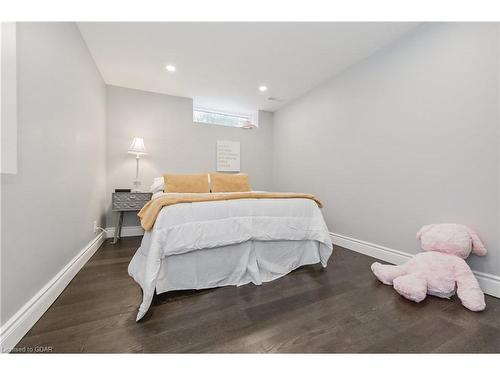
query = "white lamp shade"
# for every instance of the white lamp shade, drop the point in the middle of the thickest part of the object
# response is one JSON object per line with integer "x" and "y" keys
{"x": 137, "y": 147}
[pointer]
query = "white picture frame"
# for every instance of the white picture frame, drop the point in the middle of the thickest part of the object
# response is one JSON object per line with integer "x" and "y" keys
{"x": 228, "y": 156}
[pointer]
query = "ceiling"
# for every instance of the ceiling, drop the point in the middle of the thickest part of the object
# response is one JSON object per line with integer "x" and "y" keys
{"x": 222, "y": 65}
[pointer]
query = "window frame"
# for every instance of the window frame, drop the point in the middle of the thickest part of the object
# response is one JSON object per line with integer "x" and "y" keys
{"x": 250, "y": 120}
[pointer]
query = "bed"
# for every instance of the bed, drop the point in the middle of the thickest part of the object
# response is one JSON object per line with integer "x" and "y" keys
{"x": 204, "y": 244}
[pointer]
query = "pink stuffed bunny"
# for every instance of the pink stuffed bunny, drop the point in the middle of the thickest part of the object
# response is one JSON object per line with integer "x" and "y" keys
{"x": 439, "y": 268}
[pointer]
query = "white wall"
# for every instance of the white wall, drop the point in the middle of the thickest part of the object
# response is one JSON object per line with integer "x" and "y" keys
{"x": 48, "y": 208}
{"x": 174, "y": 143}
{"x": 408, "y": 137}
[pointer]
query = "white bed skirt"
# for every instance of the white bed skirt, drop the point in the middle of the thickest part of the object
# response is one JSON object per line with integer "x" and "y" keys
{"x": 238, "y": 264}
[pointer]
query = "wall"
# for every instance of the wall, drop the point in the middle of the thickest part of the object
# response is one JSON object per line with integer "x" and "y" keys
{"x": 409, "y": 136}
{"x": 49, "y": 206}
{"x": 174, "y": 142}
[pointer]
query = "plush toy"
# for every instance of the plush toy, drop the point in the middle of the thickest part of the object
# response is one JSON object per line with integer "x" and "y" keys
{"x": 440, "y": 269}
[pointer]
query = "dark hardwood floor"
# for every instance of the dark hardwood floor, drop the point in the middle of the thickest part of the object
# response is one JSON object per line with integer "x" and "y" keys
{"x": 312, "y": 310}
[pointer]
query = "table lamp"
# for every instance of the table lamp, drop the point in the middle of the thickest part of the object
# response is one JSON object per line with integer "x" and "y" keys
{"x": 137, "y": 148}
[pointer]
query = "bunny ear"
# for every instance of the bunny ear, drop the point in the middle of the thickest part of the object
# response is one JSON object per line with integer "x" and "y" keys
{"x": 422, "y": 230}
{"x": 477, "y": 245}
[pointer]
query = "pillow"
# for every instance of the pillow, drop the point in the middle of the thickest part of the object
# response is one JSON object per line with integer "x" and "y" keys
{"x": 222, "y": 182}
{"x": 186, "y": 183}
{"x": 157, "y": 185}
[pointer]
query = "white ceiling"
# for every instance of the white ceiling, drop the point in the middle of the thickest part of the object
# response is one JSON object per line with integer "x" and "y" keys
{"x": 221, "y": 65}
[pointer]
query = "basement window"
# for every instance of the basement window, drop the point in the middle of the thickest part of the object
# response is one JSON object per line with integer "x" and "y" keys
{"x": 225, "y": 118}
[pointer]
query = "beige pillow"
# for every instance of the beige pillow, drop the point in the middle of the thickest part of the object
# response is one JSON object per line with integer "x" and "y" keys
{"x": 186, "y": 183}
{"x": 222, "y": 182}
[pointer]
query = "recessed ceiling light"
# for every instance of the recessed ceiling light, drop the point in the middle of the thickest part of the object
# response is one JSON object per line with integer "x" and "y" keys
{"x": 262, "y": 88}
{"x": 171, "y": 68}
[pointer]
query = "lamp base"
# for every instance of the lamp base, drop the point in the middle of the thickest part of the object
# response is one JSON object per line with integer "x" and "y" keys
{"x": 137, "y": 187}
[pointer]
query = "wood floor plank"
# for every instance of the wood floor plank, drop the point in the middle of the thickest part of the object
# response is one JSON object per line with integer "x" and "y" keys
{"x": 340, "y": 309}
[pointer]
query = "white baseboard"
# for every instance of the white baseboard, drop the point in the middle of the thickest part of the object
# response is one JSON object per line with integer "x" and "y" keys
{"x": 22, "y": 321}
{"x": 489, "y": 283}
{"x": 126, "y": 231}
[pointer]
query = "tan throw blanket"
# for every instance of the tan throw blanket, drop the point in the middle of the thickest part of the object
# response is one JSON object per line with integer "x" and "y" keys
{"x": 150, "y": 211}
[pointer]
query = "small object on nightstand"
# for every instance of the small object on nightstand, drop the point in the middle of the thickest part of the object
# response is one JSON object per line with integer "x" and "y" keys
{"x": 126, "y": 201}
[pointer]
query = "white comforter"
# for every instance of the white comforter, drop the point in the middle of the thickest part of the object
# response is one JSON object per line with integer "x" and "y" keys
{"x": 188, "y": 227}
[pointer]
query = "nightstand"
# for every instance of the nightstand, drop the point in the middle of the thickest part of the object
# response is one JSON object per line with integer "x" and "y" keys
{"x": 125, "y": 201}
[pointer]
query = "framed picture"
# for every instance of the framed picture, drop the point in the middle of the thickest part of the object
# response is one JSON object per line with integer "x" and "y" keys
{"x": 228, "y": 156}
